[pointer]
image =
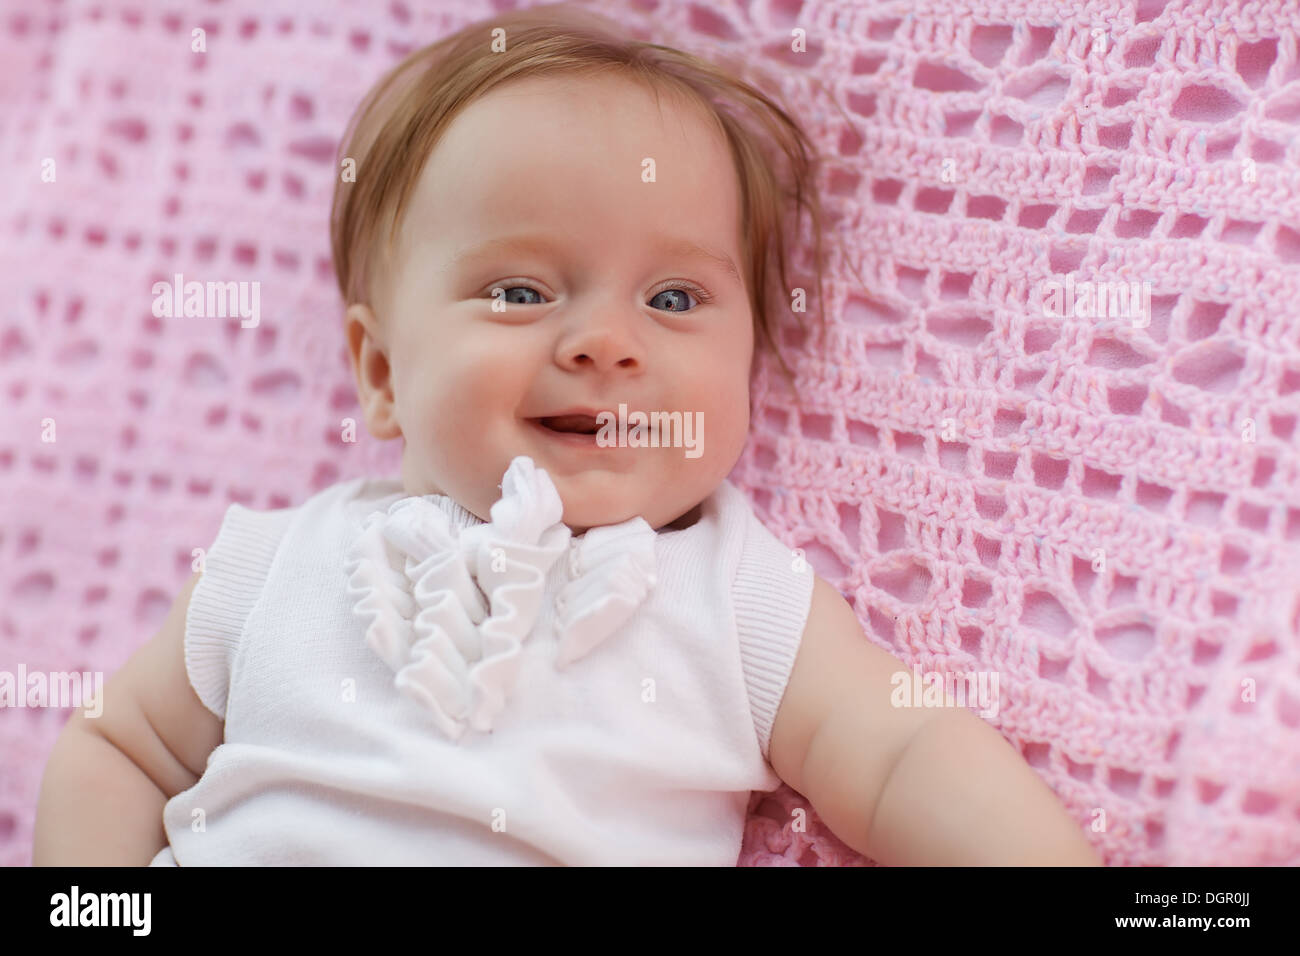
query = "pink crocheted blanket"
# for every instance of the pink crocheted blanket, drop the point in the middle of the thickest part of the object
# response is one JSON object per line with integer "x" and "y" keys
{"x": 1052, "y": 434}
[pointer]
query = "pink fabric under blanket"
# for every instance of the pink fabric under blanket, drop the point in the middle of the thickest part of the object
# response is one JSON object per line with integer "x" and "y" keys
{"x": 1104, "y": 511}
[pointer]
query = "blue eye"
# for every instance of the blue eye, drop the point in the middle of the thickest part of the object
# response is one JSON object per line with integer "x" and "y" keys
{"x": 680, "y": 304}
{"x": 511, "y": 300}
{"x": 679, "y": 298}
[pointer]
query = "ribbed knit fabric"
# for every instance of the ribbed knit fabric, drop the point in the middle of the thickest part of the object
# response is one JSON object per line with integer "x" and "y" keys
{"x": 643, "y": 751}
{"x": 980, "y": 149}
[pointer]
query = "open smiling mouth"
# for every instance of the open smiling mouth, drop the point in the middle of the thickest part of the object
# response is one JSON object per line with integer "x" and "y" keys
{"x": 569, "y": 424}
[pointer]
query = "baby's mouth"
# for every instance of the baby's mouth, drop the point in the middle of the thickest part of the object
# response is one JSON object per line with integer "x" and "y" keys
{"x": 570, "y": 424}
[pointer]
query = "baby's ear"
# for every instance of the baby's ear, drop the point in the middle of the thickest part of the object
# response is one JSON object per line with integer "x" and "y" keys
{"x": 371, "y": 370}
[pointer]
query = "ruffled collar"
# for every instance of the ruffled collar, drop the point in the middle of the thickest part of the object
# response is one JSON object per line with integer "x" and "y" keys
{"x": 448, "y": 599}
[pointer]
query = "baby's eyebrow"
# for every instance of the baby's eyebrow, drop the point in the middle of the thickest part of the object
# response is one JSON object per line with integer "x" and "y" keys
{"x": 677, "y": 248}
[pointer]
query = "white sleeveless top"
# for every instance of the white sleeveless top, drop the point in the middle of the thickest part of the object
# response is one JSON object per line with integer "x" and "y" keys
{"x": 403, "y": 683}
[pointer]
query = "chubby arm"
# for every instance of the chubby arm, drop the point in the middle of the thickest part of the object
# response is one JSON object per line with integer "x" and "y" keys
{"x": 907, "y": 786}
{"x": 108, "y": 778}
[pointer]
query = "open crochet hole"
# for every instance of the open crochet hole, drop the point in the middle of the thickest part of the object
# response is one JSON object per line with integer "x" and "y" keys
{"x": 961, "y": 123}
{"x": 1263, "y": 473}
{"x": 886, "y": 191}
{"x": 1254, "y": 60}
{"x": 1205, "y": 104}
{"x": 911, "y": 282}
{"x": 1119, "y": 95}
{"x": 1124, "y": 783}
{"x": 1233, "y": 559}
{"x": 961, "y": 327}
{"x": 1096, "y": 179}
{"x": 1223, "y": 604}
{"x": 1113, "y": 353}
{"x": 863, "y": 435}
{"x": 932, "y": 200}
{"x": 988, "y": 550}
{"x": 1040, "y": 86}
{"x": 705, "y": 21}
{"x": 864, "y": 311}
{"x": 1035, "y": 216}
{"x": 972, "y": 639}
{"x": 865, "y": 64}
{"x": 1004, "y": 131}
{"x": 281, "y": 385}
{"x": 1126, "y": 399}
{"x": 1173, "y": 414}
{"x": 1152, "y": 497}
{"x": 891, "y": 530}
{"x": 1219, "y": 149}
{"x": 1007, "y": 421}
{"x": 882, "y": 625}
{"x": 1127, "y": 642}
{"x": 1212, "y": 367}
{"x": 824, "y": 561}
{"x": 203, "y": 371}
{"x": 1136, "y": 223}
{"x": 1259, "y": 803}
{"x": 1148, "y": 10}
{"x": 990, "y": 505}
{"x": 1039, "y": 340}
{"x": 1251, "y": 516}
{"x": 882, "y": 29}
{"x": 1240, "y": 231}
{"x": 1188, "y": 226}
{"x": 909, "y": 446}
{"x": 1205, "y": 319}
{"x": 908, "y": 584}
{"x": 1292, "y": 529}
{"x": 1050, "y": 472}
{"x": 1056, "y": 670}
{"x": 1267, "y": 151}
{"x": 1141, "y": 51}
{"x": 976, "y": 591}
{"x": 849, "y": 516}
{"x": 1284, "y": 106}
{"x": 1123, "y": 591}
{"x": 955, "y": 285}
{"x": 1000, "y": 465}
{"x": 989, "y": 43}
{"x": 816, "y": 426}
{"x": 1044, "y": 613}
{"x": 1085, "y": 221}
{"x": 885, "y": 355}
{"x": 927, "y": 366}
{"x": 985, "y": 207}
{"x": 1115, "y": 137}
{"x": 1036, "y": 44}
{"x": 1083, "y": 576}
{"x": 1287, "y": 244}
{"x": 952, "y": 457}
{"x": 1283, "y": 426}
{"x": 1288, "y": 710}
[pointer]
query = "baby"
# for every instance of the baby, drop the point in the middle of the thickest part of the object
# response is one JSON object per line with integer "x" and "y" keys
{"x": 562, "y": 637}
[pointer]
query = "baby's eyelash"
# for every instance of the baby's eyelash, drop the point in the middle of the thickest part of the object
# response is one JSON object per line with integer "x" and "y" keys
{"x": 702, "y": 294}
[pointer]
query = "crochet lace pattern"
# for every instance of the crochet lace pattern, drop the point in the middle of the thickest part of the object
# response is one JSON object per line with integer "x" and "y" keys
{"x": 1104, "y": 511}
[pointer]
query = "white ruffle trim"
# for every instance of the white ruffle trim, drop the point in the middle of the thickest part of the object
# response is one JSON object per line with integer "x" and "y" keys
{"x": 448, "y": 611}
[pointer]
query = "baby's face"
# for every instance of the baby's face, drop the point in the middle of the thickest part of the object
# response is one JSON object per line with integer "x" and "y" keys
{"x": 537, "y": 190}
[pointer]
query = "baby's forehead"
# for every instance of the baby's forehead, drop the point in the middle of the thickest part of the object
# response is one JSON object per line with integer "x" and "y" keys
{"x": 550, "y": 150}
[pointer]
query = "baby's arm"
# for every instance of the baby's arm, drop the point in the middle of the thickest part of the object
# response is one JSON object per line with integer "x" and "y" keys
{"x": 910, "y": 786}
{"x": 109, "y": 777}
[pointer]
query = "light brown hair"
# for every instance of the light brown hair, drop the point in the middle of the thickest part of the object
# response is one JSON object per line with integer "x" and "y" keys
{"x": 397, "y": 125}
